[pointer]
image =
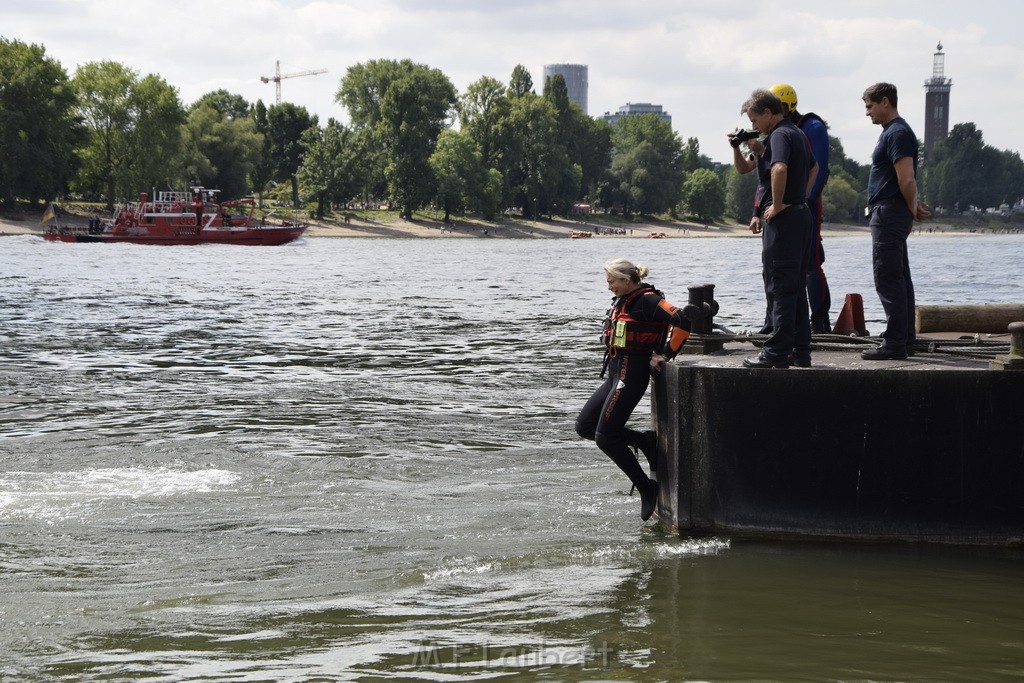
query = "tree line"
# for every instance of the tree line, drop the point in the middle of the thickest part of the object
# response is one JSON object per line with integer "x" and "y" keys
{"x": 412, "y": 141}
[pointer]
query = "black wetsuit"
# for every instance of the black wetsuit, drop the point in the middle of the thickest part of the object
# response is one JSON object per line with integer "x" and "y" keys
{"x": 604, "y": 416}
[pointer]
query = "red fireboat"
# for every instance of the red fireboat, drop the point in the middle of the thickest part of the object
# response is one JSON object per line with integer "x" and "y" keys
{"x": 182, "y": 218}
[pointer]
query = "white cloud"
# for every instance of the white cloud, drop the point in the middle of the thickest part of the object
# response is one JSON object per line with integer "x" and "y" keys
{"x": 699, "y": 60}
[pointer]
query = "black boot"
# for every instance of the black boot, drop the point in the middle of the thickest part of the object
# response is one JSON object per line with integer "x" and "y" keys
{"x": 618, "y": 449}
{"x": 648, "y": 499}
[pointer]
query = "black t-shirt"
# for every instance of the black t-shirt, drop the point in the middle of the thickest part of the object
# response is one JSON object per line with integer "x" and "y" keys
{"x": 788, "y": 144}
{"x": 896, "y": 141}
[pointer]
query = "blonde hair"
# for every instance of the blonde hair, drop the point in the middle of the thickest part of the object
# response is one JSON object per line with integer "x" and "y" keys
{"x": 621, "y": 268}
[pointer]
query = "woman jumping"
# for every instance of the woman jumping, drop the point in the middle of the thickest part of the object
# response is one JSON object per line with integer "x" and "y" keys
{"x": 642, "y": 331}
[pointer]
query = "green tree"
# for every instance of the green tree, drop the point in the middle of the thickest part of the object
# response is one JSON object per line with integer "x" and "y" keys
{"x": 521, "y": 83}
{"x": 221, "y": 151}
{"x": 134, "y": 130}
{"x": 263, "y": 167}
{"x": 155, "y": 143}
{"x": 570, "y": 129}
{"x": 963, "y": 172}
{"x": 739, "y": 195}
{"x": 363, "y": 88}
{"x": 857, "y": 174}
{"x": 287, "y": 124}
{"x": 646, "y": 167}
{"x": 841, "y": 200}
{"x": 415, "y": 109}
{"x": 369, "y": 165}
{"x": 230, "y": 105}
{"x": 595, "y": 155}
{"x": 703, "y": 195}
{"x": 547, "y": 151}
{"x": 481, "y": 108}
{"x": 407, "y": 105}
{"x": 459, "y": 171}
{"x": 692, "y": 159}
{"x": 489, "y": 199}
{"x": 104, "y": 91}
{"x": 328, "y": 166}
{"x": 557, "y": 92}
{"x": 535, "y": 164}
{"x": 1011, "y": 181}
{"x": 38, "y": 127}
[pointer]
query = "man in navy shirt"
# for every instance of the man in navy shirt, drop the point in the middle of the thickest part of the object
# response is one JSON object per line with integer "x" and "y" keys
{"x": 893, "y": 206}
{"x": 787, "y": 169}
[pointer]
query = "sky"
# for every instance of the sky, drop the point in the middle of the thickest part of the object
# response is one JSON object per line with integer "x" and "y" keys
{"x": 699, "y": 60}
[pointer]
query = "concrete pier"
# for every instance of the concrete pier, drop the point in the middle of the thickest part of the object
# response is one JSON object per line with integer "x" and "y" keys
{"x": 929, "y": 449}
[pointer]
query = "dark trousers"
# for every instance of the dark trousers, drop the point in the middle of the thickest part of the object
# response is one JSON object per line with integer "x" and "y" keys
{"x": 785, "y": 251}
{"x": 891, "y": 222}
{"x": 603, "y": 418}
{"x": 818, "y": 294}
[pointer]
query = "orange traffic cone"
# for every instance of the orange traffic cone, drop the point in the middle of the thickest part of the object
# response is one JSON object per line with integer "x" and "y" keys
{"x": 851, "y": 318}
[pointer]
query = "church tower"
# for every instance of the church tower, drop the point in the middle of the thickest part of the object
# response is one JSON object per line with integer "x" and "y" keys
{"x": 936, "y": 102}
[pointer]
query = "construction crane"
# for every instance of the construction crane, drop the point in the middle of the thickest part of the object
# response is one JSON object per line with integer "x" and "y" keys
{"x": 276, "y": 78}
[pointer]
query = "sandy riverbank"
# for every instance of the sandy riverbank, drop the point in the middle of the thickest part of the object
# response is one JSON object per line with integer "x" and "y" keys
{"x": 508, "y": 229}
{"x": 462, "y": 228}
{"x": 556, "y": 228}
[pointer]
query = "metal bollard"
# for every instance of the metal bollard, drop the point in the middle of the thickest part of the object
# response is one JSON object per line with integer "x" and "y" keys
{"x": 1015, "y": 359}
{"x": 703, "y": 297}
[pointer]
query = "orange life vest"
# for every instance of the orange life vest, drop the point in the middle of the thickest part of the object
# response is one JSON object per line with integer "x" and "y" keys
{"x": 623, "y": 331}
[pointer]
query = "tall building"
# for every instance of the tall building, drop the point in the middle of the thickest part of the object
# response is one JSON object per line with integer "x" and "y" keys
{"x": 576, "y": 81}
{"x": 936, "y": 102}
{"x": 638, "y": 109}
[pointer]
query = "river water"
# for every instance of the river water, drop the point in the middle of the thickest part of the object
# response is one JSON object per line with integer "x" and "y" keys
{"x": 354, "y": 459}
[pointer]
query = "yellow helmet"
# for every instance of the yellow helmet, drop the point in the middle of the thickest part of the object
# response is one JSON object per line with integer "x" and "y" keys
{"x": 785, "y": 92}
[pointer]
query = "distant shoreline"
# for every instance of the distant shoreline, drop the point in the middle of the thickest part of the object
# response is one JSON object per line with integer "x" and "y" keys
{"x": 560, "y": 228}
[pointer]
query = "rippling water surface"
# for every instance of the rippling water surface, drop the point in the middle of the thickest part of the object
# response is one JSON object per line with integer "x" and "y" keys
{"x": 354, "y": 460}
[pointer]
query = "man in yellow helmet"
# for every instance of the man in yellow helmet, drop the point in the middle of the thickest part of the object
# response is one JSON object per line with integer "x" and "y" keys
{"x": 814, "y": 127}
{"x": 785, "y": 168}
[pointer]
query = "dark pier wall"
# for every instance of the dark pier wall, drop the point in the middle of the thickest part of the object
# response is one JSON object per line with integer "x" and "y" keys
{"x": 899, "y": 454}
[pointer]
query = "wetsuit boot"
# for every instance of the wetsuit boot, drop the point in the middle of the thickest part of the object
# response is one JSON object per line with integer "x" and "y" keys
{"x": 648, "y": 500}
{"x": 618, "y": 450}
{"x": 647, "y": 443}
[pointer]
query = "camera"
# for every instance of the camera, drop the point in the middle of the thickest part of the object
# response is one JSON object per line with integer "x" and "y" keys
{"x": 741, "y": 136}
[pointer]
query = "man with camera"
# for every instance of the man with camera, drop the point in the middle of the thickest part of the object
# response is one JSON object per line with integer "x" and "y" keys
{"x": 819, "y": 297}
{"x": 786, "y": 170}
{"x": 745, "y": 163}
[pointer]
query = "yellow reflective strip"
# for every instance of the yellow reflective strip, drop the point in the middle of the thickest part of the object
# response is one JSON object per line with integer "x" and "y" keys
{"x": 619, "y": 339}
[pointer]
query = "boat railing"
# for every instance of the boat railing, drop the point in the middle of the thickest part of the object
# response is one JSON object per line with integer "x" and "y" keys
{"x": 95, "y": 226}
{"x": 172, "y": 197}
